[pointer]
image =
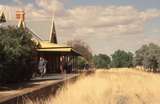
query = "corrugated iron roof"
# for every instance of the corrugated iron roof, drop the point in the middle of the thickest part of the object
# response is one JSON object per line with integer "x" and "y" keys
{"x": 15, "y": 24}
{"x": 68, "y": 50}
{"x": 48, "y": 45}
{"x": 55, "y": 50}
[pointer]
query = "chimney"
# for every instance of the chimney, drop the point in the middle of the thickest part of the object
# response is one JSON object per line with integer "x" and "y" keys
{"x": 20, "y": 15}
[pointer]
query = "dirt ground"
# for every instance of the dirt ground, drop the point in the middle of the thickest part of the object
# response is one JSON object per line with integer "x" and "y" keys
{"x": 116, "y": 86}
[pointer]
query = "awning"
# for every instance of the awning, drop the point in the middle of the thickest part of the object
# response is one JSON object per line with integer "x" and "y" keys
{"x": 55, "y": 50}
{"x": 48, "y": 45}
{"x": 68, "y": 51}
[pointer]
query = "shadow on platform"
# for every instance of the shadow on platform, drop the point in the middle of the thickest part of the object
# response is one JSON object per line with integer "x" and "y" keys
{"x": 32, "y": 82}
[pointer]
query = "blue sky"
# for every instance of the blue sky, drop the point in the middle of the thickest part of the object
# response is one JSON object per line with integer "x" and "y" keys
{"x": 105, "y": 25}
{"x": 140, "y": 4}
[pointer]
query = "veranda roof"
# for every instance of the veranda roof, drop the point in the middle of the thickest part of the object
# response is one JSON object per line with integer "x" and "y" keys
{"x": 56, "y": 50}
{"x": 46, "y": 46}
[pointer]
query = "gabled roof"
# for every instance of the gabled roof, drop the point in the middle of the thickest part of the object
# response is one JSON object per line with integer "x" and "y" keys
{"x": 41, "y": 28}
{"x": 2, "y": 18}
{"x": 15, "y": 24}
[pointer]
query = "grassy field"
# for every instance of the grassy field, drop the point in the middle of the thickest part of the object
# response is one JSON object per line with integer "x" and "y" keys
{"x": 116, "y": 86}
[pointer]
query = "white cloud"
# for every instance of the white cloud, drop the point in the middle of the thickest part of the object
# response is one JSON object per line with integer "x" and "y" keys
{"x": 106, "y": 20}
{"x": 97, "y": 25}
{"x": 150, "y": 14}
{"x": 51, "y": 6}
{"x": 156, "y": 30}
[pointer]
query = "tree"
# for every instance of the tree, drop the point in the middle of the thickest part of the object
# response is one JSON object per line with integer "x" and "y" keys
{"x": 130, "y": 59}
{"x": 148, "y": 56}
{"x": 140, "y": 55}
{"x": 81, "y": 63}
{"x": 121, "y": 59}
{"x": 16, "y": 50}
{"x": 102, "y": 61}
{"x": 82, "y": 48}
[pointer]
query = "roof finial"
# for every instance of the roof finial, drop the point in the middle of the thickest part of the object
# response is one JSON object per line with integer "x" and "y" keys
{"x": 53, "y": 36}
{"x": 21, "y": 24}
{"x": 2, "y": 17}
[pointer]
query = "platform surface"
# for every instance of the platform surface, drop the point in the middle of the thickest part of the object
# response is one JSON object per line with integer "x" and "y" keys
{"x": 37, "y": 83}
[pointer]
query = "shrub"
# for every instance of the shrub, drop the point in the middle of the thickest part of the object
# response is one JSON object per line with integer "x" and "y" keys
{"x": 122, "y": 59}
{"x": 82, "y": 48}
{"x": 148, "y": 56}
{"x": 16, "y": 50}
{"x": 102, "y": 61}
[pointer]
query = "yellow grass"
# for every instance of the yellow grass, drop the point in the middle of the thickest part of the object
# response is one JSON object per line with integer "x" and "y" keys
{"x": 123, "y": 86}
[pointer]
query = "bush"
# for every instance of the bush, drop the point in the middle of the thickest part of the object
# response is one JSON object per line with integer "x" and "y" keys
{"x": 16, "y": 50}
{"x": 148, "y": 56}
{"x": 82, "y": 48}
{"x": 81, "y": 62}
{"x": 122, "y": 59}
{"x": 102, "y": 61}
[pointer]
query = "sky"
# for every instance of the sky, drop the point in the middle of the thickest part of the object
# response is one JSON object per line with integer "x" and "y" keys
{"x": 105, "y": 25}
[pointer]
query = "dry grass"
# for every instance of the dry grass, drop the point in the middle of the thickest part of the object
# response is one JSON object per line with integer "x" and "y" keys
{"x": 123, "y": 86}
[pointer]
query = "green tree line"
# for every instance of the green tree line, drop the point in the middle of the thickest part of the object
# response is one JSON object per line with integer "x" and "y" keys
{"x": 147, "y": 56}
